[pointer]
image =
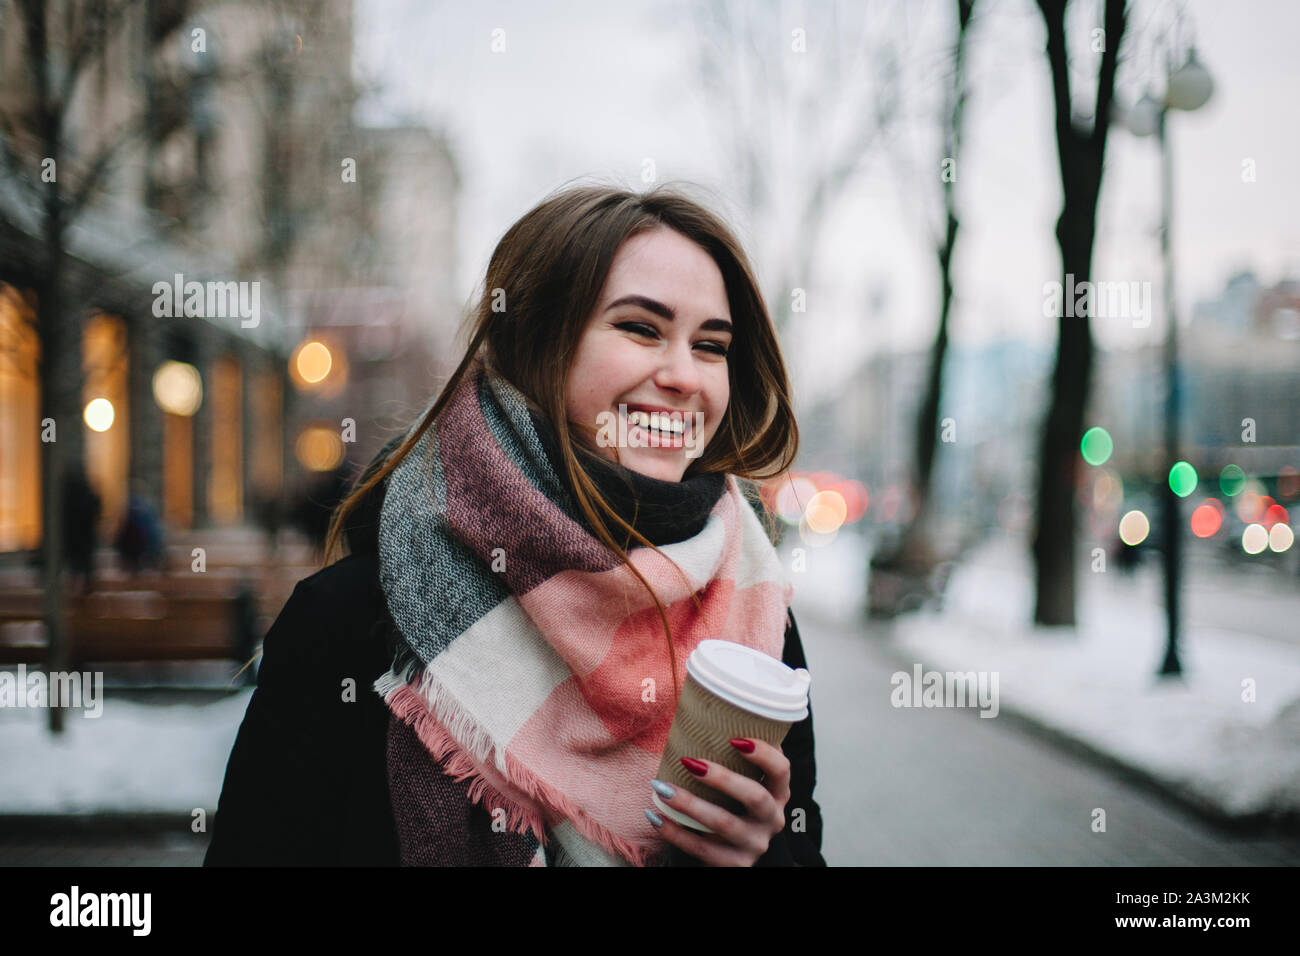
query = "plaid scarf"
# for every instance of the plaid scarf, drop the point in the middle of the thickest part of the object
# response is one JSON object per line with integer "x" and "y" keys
{"x": 532, "y": 674}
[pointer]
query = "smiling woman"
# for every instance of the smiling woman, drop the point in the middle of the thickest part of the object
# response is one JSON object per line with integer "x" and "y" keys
{"x": 512, "y": 648}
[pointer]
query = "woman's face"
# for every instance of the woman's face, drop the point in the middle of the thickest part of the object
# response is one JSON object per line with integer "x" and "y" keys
{"x": 656, "y": 343}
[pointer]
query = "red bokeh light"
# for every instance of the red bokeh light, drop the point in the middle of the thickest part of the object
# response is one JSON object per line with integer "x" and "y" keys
{"x": 854, "y": 493}
{"x": 824, "y": 480}
{"x": 1206, "y": 520}
{"x": 1275, "y": 514}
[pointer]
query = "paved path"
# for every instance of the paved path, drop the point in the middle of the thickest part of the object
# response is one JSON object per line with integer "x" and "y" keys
{"x": 102, "y": 849}
{"x": 936, "y": 787}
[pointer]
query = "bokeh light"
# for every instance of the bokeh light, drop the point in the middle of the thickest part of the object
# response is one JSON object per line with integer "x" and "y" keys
{"x": 1288, "y": 482}
{"x": 1096, "y": 446}
{"x": 1275, "y": 514}
{"x": 178, "y": 388}
{"x": 99, "y": 414}
{"x": 897, "y": 503}
{"x": 1254, "y": 539}
{"x": 1280, "y": 537}
{"x": 1182, "y": 478}
{"x": 1107, "y": 491}
{"x": 1134, "y": 528}
{"x": 1231, "y": 480}
{"x": 313, "y": 362}
{"x": 792, "y": 498}
{"x": 319, "y": 448}
{"x": 1249, "y": 507}
{"x": 815, "y": 539}
{"x": 1207, "y": 519}
{"x": 855, "y": 498}
{"x": 826, "y": 512}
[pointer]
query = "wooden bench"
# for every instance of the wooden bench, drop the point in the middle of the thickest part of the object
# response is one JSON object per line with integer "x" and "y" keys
{"x": 133, "y": 626}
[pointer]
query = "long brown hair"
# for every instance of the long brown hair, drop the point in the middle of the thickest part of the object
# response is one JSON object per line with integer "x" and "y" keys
{"x": 543, "y": 283}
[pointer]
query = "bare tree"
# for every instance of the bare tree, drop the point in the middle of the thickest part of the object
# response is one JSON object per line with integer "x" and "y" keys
{"x": 1081, "y": 149}
{"x": 64, "y": 43}
{"x": 778, "y": 89}
{"x": 913, "y": 556}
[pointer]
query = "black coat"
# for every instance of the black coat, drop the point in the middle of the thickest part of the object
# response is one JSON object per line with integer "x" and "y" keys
{"x": 307, "y": 781}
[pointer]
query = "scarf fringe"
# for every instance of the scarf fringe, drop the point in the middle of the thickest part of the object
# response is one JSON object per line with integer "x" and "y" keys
{"x": 412, "y": 706}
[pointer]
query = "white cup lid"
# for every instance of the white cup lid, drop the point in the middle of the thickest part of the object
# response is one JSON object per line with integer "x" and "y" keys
{"x": 751, "y": 679}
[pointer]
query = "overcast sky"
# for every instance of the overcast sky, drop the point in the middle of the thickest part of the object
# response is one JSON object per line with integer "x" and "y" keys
{"x": 592, "y": 88}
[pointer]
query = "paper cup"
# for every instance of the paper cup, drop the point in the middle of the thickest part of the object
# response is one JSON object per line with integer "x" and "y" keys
{"x": 730, "y": 691}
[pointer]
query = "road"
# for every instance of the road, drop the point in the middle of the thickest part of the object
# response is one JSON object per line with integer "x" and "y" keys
{"x": 946, "y": 787}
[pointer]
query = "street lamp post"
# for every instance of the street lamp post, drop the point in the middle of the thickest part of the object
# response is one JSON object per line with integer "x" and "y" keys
{"x": 1188, "y": 88}
{"x": 1171, "y": 666}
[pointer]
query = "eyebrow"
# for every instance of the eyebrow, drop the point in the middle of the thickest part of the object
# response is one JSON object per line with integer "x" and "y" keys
{"x": 666, "y": 312}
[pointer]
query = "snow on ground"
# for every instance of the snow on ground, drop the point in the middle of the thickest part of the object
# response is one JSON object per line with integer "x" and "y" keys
{"x": 1097, "y": 683}
{"x": 133, "y": 758}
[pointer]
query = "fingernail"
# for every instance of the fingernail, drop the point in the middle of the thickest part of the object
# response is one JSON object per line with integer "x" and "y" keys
{"x": 663, "y": 789}
{"x": 743, "y": 745}
{"x": 654, "y": 818}
{"x": 697, "y": 767}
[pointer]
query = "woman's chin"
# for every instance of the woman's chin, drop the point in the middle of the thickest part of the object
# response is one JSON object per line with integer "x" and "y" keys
{"x": 664, "y": 469}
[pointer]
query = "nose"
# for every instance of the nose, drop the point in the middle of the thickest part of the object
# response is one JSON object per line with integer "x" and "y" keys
{"x": 678, "y": 372}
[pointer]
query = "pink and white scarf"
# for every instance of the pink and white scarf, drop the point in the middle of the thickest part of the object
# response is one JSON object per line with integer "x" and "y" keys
{"x": 532, "y": 662}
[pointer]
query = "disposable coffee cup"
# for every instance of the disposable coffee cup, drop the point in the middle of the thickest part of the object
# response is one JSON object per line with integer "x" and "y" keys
{"x": 730, "y": 691}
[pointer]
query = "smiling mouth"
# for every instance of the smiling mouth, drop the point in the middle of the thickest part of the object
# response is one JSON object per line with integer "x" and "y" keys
{"x": 659, "y": 429}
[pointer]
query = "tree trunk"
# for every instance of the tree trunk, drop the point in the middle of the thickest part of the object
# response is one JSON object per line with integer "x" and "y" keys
{"x": 1081, "y": 154}
{"x": 1054, "y": 535}
{"x": 914, "y": 556}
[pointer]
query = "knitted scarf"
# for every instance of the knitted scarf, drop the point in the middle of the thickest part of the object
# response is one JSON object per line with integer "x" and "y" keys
{"x": 531, "y": 666}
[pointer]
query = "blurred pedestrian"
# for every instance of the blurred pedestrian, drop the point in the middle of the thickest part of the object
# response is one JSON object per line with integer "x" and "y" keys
{"x": 311, "y": 514}
{"x": 139, "y": 538}
{"x": 269, "y": 512}
{"x": 81, "y": 510}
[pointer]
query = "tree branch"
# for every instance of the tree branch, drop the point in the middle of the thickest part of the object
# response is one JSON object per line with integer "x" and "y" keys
{"x": 1116, "y": 14}
{"x": 92, "y": 43}
{"x": 1057, "y": 58}
{"x": 98, "y": 166}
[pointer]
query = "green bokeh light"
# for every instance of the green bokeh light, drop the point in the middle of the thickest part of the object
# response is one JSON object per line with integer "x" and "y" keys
{"x": 1096, "y": 446}
{"x": 1182, "y": 479}
{"x": 1231, "y": 480}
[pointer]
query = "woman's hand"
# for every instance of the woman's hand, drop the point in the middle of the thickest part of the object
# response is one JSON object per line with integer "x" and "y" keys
{"x": 735, "y": 841}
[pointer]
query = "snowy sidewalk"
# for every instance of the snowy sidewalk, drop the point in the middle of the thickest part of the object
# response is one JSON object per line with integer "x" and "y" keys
{"x": 134, "y": 758}
{"x": 1096, "y": 685}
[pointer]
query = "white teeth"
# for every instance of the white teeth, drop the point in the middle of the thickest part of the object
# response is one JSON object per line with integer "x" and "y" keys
{"x": 658, "y": 421}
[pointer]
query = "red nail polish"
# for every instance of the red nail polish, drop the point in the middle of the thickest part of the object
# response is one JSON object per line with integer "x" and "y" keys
{"x": 743, "y": 745}
{"x": 697, "y": 767}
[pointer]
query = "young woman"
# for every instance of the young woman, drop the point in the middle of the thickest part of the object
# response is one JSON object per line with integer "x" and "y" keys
{"x": 488, "y": 677}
